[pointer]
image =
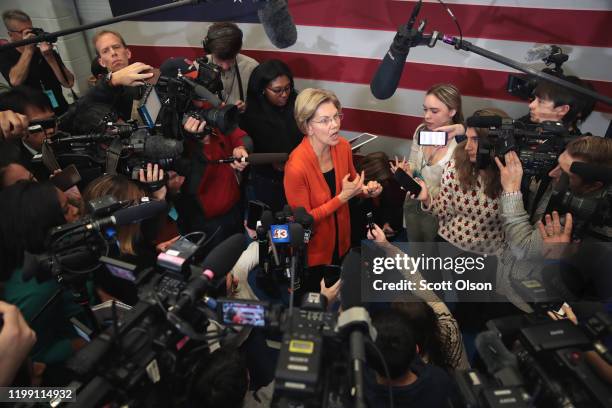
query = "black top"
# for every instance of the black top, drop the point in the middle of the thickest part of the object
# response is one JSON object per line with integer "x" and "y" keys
{"x": 432, "y": 388}
{"x": 330, "y": 178}
{"x": 272, "y": 128}
{"x": 40, "y": 75}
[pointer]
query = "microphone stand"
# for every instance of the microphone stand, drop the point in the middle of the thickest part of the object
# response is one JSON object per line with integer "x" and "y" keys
{"x": 459, "y": 44}
{"x": 52, "y": 37}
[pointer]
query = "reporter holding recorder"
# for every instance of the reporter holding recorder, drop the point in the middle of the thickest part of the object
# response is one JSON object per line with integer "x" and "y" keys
{"x": 441, "y": 107}
{"x": 320, "y": 176}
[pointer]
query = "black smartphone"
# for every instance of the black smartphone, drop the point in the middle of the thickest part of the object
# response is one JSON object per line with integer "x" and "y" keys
{"x": 429, "y": 138}
{"x": 331, "y": 275}
{"x": 370, "y": 222}
{"x": 254, "y": 212}
{"x": 407, "y": 182}
{"x": 67, "y": 178}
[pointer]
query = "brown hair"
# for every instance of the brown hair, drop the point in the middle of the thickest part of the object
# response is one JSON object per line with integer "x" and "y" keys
{"x": 591, "y": 149}
{"x": 99, "y": 34}
{"x": 123, "y": 189}
{"x": 224, "y": 40}
{"x": 375, "y": 166}
{"x": 307, "y": 103}
{"x": 450, "y": 96}
{"x": 467, "y": 172}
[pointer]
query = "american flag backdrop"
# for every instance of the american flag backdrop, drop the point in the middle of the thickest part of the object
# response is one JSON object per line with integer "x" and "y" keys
{"x": 341, "y": 42}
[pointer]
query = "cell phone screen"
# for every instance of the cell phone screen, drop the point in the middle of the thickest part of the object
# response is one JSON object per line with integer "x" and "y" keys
{"x": 427, "y": 138}
{"x": 243, "y": 314}
{"x": 407, "y": 182}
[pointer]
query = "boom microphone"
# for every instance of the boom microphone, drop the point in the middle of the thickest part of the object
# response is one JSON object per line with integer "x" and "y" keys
{"x": 278, "y": 23}
{"x": 256, "y": 158}
{"x": 389, "y": 71}
{"x": 217, "y": 264}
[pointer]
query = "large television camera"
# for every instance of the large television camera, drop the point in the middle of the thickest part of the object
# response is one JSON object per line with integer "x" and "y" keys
{"x": 538, "y": 146}
{"x": 200, "y": 97}
{"x": 533, "y": 361}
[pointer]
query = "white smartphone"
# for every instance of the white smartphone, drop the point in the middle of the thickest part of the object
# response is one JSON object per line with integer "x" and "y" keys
{"x": 429, "y": 138}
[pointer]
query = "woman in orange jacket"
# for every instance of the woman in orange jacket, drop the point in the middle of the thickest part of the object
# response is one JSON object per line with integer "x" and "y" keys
{"x": 320, "y": 177}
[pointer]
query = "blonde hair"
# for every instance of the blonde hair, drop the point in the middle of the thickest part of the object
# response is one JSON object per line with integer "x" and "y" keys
{"x": 122, "y": 189}
{"x": 307, "y": 103}
{"x": 17, "y": 15}
{"x": 450, "y": 96}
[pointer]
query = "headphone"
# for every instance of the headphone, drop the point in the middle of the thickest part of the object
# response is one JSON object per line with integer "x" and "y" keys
{"x": 215, "y": 34}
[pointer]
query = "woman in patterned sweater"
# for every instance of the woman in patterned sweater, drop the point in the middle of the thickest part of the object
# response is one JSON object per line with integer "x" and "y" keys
{"x": 467, "y": 205}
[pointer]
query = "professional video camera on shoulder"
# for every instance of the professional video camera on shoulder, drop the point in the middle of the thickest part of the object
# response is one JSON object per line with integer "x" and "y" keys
{"x": 538, "y": 146}
{"x": 183, "y": 92}
{"x": 73, "y": 250}
{"x": 533, "y": 361}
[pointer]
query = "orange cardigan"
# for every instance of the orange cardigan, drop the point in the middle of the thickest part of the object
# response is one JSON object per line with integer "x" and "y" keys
{"x": 306, "y": 187}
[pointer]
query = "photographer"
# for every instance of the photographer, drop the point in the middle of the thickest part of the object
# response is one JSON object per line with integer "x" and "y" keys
{"x": 223, "y": 43}
{"x": 29, "y": 209}
{"x": 37, "y": 110}
{"x": 414, "y": 383}
{"x": 210, "y": 199}
{"x": 524, "y": 239}
{"x": 34, "y": 65}
{"x": 121, "y": 85}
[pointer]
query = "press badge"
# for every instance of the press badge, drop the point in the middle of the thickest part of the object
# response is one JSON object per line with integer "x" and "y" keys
{"x": 51, "y": 97}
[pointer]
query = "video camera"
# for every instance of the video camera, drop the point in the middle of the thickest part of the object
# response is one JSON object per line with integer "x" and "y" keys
{"x": 180, "y": 91}
{"x": 533, "y": 361}
{"x": 538, "y": 146}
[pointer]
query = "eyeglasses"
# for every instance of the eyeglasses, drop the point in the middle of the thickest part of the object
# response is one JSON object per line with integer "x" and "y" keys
{"x": 326, "y": 121}
{"x": 280, "y": 91}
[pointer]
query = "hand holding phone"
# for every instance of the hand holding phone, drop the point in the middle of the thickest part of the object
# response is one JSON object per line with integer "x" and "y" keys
{"x": 406, "y": 182}
{"x": 66, "y": 178}
{"x": 431, "y": 138}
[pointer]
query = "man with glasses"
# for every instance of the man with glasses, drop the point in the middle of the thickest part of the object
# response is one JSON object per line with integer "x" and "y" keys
{"x": 41, "y": 120}
{"x": 35, "y": 65}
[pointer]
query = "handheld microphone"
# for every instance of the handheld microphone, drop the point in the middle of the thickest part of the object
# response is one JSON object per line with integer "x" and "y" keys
{"x": 387, "y": 76}
{"x": 278, "y": 23}
{"x": 256, "y": 159}
{"x": 217, "y": 264}
{"x": 356, "y": 322}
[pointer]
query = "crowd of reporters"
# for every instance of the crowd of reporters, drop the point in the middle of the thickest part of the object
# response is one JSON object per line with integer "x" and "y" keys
{"x": 488, "y": 210}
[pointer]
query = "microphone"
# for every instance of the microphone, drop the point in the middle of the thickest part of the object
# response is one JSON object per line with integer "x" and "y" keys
{"x": 302, "y": 216}
{"x": 202, "y": 92}
{"x": 350, "y": 273}
{"x": 500, "y": 362}
{"x": 98, "y": 137}
{"x": 592, "y": 172}
{"x": 538, "y": 53}
{"x": 389, "y": 72}
{"x": 278, "y": 23}
{"x": 157, "y": 147}
{"x": 39, "y": 264}
{"x": 217, "y": 264}
{"x": 356, "y": 322}
{"x": 255, "y": 159}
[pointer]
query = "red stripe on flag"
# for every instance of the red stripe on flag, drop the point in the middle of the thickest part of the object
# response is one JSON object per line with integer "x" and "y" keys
{"x": 480, "y": 83}
{"x": 548, "y": 26}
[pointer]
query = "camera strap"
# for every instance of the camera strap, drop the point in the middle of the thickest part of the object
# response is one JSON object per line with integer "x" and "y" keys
{"x": 112, "y": 156}
{"x": 240, "y": 90}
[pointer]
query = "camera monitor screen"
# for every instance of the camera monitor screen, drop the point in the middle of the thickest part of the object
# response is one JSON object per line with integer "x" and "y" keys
{"x": 243, "y": 313}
